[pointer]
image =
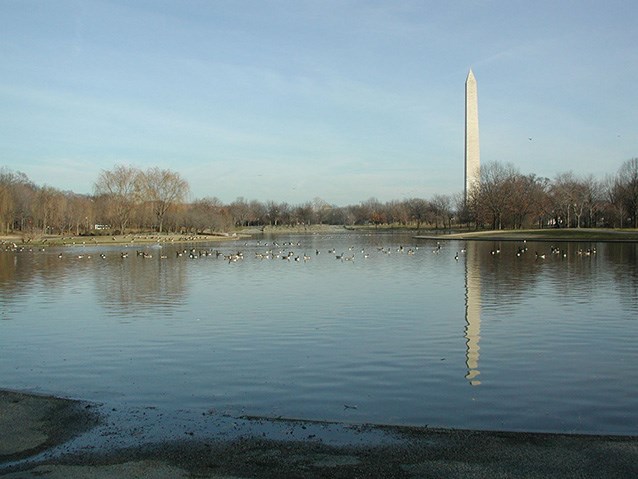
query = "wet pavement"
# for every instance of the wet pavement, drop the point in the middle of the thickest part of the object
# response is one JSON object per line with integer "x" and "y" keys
{"x": 42, "y": 436}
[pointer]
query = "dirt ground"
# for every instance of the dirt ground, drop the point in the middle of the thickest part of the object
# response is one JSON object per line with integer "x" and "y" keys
{"x": 42, "y": 436}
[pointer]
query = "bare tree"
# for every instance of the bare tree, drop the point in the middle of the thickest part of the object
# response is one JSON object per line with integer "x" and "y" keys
{"x": 418, "y": 210}
{"x": 321, "y": 209}
{"x": 207, "y": 214}
{"x": 491, "y": 199}
{"x": 561, "y": 193}
{"x": 79, "y": 213}
{"x": 162, "y": 189}
{"x": 628, "y": 182}
{"x": 256, "y": 212}
{"x": 596, "y": 202}
{"x": 441, "y": 207}
{"x": 398, "y": 212}
{"x": 527, "y": 201}
{"x": 273, "y": 212}
{"x": 121, "y": 189}
{"x": 239, "y": 210}
{"x": 572, "y": 197}
{"x": 16, "y": 200}
{"x": 48, "y": 209}
{"x": 612, "y": 191}
{"x": 7, "y": 204}
{"x": 303, "y": 214}
{"x": 372, "y": 211}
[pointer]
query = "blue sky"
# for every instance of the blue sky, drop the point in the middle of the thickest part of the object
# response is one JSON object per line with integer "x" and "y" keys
{"x": 291, "y": 100}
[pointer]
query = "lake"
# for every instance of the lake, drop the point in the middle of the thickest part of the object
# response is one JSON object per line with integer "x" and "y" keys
{"x": 360, "y": 328}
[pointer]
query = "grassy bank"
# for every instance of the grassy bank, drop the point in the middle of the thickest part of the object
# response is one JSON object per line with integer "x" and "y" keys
{"x": 564, "y": 234}
{"x": 129, "y": 239}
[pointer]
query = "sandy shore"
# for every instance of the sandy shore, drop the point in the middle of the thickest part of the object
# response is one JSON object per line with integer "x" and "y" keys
{"x": 56, "y": 438}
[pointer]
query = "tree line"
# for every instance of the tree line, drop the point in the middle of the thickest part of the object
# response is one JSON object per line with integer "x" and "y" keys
{"x": 506, "y": 199}
{"x": 127, "y": 199}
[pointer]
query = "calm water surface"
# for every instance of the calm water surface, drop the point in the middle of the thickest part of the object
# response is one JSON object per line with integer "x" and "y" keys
{"x": 397, "y": 331}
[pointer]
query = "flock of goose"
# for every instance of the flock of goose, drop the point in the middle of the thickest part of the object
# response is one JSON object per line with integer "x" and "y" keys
{"x": 286, "y": 251}
{"x": 554, "y": 251}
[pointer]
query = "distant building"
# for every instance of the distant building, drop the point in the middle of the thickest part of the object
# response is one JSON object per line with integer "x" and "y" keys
{"x": 472, "y": 150}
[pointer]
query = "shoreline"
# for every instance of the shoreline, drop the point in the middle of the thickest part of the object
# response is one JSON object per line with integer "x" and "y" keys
{"x": 544, "y": 235}
{"x": 17, "y": 242}
{"x": 592, "y": 235}
{"x": 45, "y": 436}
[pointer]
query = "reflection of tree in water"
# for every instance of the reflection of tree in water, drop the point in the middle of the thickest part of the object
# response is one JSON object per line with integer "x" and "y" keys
{"x": 123, "y": 284}
{"x": 623, "y": 259}
{"x": 21, "y": 270}
{"x": 501, "y": 275}
{"x": 9, "y": 271}
{"x": 130, "y": 284}
{"x": 573, "y": 271}
{"x": 12, "y": 283}
{"x": 506, "y": 277}
{"x": 575, "y": 276}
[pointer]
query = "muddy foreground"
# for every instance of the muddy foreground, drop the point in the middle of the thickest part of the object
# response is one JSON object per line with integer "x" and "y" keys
{"x": 56, "y": 438}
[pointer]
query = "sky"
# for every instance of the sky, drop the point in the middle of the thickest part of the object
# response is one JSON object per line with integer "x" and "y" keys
{"x": 292, "y": 100}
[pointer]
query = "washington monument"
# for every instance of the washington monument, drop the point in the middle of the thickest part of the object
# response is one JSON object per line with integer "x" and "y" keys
{"x": 472, "y": 151}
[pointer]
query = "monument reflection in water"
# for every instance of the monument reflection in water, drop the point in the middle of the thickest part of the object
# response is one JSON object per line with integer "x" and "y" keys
{"x": 472, "y": 313}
